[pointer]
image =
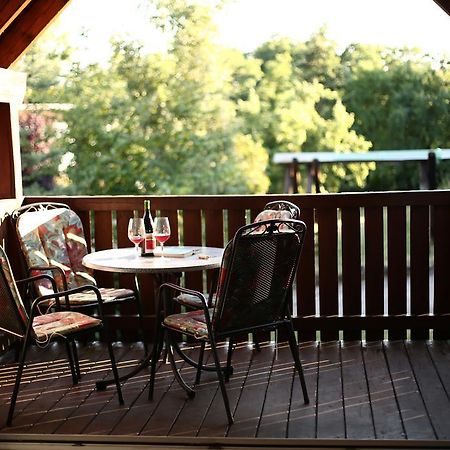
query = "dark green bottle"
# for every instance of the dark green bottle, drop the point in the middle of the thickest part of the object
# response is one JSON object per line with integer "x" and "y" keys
{"x": 150, "y": 241}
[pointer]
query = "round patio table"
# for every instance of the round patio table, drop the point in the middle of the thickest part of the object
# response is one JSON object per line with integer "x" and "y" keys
{"x": 125, "y": 260}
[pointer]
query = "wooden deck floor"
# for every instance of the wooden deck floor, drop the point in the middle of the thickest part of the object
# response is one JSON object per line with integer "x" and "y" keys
{"x": 376, "y": 390}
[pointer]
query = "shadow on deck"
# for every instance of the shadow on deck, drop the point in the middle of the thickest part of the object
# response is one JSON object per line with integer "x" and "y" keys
{"x": 392, "y": 394}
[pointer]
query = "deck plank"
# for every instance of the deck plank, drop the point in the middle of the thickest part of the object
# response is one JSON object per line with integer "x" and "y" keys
{"x": 386, "y": 415}
{"x": 106, "y": 419}
{"x": 358, "y": 414}
{"x": 70, "y": 401}
{"x": 413, "y": 412}
{"x": 94, "y": 401}
{"x": 251, "y": 401}
{"x": 41, "y": 368}
{"x": 376, "y": 390}
{"x": 431, "y": 388}
{"x": 215, "y": 423}
{"x": 275, "y": 415}
{"x": 330, "y": 410}
{"x": 194, "y": 411}
{"x": 302, "y": 417}
{"x": 172, "y": 400}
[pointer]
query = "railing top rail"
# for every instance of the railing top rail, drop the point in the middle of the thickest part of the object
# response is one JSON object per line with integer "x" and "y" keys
{"x": 193, "y": 202}
{"x": 351, "y": 157}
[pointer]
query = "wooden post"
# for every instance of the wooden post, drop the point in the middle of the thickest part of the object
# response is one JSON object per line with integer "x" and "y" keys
{"x": 12, "y": 91}
{"x": 432, "y": 179}
{"x": 290, "y": 179}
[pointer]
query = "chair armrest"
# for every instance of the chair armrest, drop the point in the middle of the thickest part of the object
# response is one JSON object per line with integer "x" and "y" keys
{"x": 52, "y": 269}
{"x": 39, "y": 277}
{"x": 175, "y": 287}
{"x": 67, "y": 294}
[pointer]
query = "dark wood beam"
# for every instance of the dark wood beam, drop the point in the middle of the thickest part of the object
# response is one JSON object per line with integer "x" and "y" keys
{"x": 7, "y": 187}
{"x": 9, "y": 10}
{"x": 26, "y": 27}
{"x": 444, "y": 4}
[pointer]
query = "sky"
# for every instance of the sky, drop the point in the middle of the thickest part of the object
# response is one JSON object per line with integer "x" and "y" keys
{"x": 245, "y": 24}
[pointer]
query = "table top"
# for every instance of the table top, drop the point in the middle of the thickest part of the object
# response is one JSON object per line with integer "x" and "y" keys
{"x": 125, "y": 260}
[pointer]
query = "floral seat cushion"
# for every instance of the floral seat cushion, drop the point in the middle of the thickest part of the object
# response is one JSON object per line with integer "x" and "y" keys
{"x": 63, "y": 323}
{"x": 55, "y": 237}
{"x": 192, "y": 322}
{"x": 193, "y": 301}
{"x": 87, "y": 298}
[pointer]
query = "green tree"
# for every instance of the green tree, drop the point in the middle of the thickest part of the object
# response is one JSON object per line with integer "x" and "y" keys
{"x": 400, "y": 100}
{"x": 163, "y": 123}
{"x": 298, "y": 112}
{"x": 41, "y": 153}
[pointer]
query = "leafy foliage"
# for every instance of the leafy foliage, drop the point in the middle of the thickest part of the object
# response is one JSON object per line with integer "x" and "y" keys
{"x": 203, "y": 119}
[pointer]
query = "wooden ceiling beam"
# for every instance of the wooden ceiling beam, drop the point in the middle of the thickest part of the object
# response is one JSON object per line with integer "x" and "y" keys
{"x": 9, "y": 10}
{"x": 444, "y": 4}
{"x": 28, "y": 24}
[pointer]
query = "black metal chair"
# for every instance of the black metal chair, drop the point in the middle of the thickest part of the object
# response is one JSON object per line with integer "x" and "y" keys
{"x": 40, "y": 328}
{"x": 257, "y": 272}
{"x": 268, "y": 212}
{"x": 283, "y": 205}
{"x": 52, "y": 240}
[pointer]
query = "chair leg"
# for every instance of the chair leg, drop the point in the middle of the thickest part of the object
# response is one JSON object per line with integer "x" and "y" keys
{"x": 15, "y": 392}
{"x": 114, "y": 367}
{"x": 137, "y": 300}
{"x": 298, "y": 364}
{"x": 256, "y": 341}
{"x": 156, "y": 352}
{"x": 221, "y": 381}
{"x": 229, "y": 368}
{"x": 189, "y": 391}
{"x": 200, "y": 362}
{"x": 76, "y": 359}
{"x": 71, "y": 358}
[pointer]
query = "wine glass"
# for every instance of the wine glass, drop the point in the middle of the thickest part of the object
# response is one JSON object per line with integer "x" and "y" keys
{"x": 161, "y": 231}
{"x": 136, "y": 232}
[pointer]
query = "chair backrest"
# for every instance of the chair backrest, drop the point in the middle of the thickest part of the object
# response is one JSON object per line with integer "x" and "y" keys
{"x": 13, "y": 317}
{"x": 257, "y": 273}
{"x": 52, "y": 234}
{"x": 283, "y": 205}
{"x": 279, "y": 209}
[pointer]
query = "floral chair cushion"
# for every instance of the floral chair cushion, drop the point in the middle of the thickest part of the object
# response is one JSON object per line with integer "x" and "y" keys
{"x": 192, "y": 322}
{"x": 55, "y": 237}
{"x": 87, "y": 298}
{"x": 269, "y": 214}
{"x": 193, "y": 301}
{"x": 62, "y": 323}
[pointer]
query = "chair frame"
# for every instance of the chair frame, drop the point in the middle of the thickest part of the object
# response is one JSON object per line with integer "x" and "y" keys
{"x": 284, "y": 205}
{"x": 46, "y": 206}
{"x": 164, "y": 334}
{"x": 67, "y": 338}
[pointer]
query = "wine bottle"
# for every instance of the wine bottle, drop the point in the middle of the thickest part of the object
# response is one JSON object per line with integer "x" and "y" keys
{"x": 150, "y": 241}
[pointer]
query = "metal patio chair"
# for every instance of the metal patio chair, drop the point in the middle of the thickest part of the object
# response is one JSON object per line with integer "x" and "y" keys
{"x": 35, "y": 326}
{"x": 52, "y": 240}
{"x": 256, "y": 276}
{"x": 270, "y": 211}
{"x": 278, "y": 209}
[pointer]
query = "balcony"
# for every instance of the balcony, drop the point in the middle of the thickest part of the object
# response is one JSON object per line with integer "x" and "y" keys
{"x": 371, "y": 310}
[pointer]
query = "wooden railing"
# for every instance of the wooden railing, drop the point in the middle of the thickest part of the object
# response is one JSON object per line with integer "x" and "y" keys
{"x": 374, "y": 265}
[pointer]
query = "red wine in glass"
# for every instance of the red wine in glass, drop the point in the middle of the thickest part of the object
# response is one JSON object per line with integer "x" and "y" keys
{"x": 136, "y": 240}
{"x": 161, "y": 231}
{"x": 161, "y": 238}
{"x": 136, "y": 232}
